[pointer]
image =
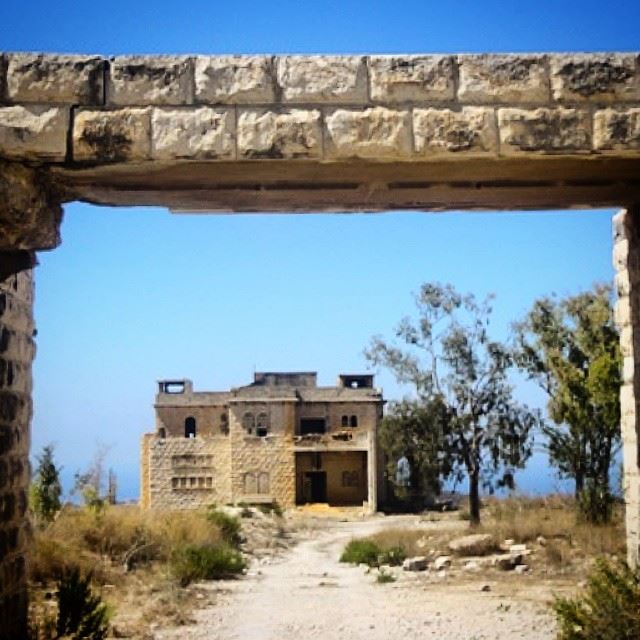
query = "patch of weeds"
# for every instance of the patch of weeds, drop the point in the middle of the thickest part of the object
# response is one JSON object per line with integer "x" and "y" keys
{"x": 609, "y": 607}
{"x": 206, "y": 562}
{"x": 385, "y": 577}
{"x": 271, "y": 508}
{"x": 394, "y": 556}
{"x": 81, "y": 614}
{"x": 361, "y": 551}
{"x": 229, "y": 525}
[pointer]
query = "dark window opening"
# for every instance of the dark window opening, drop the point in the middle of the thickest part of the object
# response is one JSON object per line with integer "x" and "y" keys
{"x": 312, "y": 425}
{"x": 354, "y": 421}
{"x": 248, "y": 423}
{"x": 162, "y": 432}
{"x": 345, "y": 421}
{"x": 224, "y": 424}
{"x": 262, "y": 425}
{"x": 190, "y": 427}
{"x": 172, "y": 387}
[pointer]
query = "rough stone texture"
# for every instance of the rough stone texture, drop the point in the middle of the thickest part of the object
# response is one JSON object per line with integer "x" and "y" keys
{"x": 372, "y": 133}
{"x": 150, "y": 80}
{"x": 626, "y": 260}
{"x": 202, "y": 133}
{"x": 187, "y": 473}
{"x": 16, "y": 354}
{"x": 30, "y": 211}
{"x": 443, "y": 131}
{"x": 544, "y": 131}
{"x": 594, "y": 77}
{"x": 411, "y": 78}
{"x": 112, "y": 136}
{"x": 617, "y": 130}
{"x": 294, "y": 133}
{"x": 476, "y": 544}
{"x": 234, "y": 79}
{"x": 55, "y": 78}
{"x": 33, "y": 132}
{"x": 503, "y": 78}
{"x": 326, "y": 79}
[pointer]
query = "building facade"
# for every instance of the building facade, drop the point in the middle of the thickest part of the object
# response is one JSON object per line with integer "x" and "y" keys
{"x": 279, "y": 439}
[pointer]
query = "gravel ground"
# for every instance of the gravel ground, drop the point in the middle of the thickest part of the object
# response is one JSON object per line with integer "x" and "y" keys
{"x": 307, "y": 593}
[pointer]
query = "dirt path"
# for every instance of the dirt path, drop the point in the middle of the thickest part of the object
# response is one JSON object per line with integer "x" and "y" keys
{"x": 308, "y": 594}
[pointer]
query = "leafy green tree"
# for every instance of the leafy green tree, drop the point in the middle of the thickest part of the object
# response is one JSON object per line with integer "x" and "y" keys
{"x": 459, "y": 377}
{"x": 45, "y": 490}
{"x": 570, "y": 347}
{"x": 412, "y": 430}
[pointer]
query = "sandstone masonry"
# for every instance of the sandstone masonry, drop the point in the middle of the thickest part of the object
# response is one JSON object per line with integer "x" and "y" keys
{"x": 304, "y": 133}
{"x": 84, "y": 109}
{"x": 280, "y": 439}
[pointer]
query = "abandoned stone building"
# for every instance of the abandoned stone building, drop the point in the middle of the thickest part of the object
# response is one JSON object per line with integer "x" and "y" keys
{"x": 281, "y": 438}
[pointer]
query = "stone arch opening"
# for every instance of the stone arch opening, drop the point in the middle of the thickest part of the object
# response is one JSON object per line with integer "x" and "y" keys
{"x": 299, "y": 133}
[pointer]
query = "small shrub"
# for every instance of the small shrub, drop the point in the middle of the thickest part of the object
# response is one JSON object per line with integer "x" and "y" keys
{"x": 206, "y": 562}
{"x": 608, "y": 609}
{"x": 394, "y": 556}
{"x": 81, "y": 614}
{"x": 384, "y": 577}
{"x": 361, "y": 551}
{"x": 229, "y": 525}
{"x": 271, "y": 508}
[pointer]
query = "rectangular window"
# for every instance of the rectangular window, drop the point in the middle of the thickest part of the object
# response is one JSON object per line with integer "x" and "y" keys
{"x": 312, "y": 425}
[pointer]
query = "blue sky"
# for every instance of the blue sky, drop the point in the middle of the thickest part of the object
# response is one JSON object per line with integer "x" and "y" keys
{"x": 134, "y": 295}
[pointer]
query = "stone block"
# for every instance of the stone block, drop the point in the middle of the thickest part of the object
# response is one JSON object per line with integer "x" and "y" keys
{"x": 188, "y": 133}
{"x": 112, "y": 136}
{"x": 411, "y": 78}
{"x": 503, "y": 78}
{"x": 34, "y": 132}
{"x": 292, "y": 133}
{"x": 588, "y": 76}
{"x": 370, "y": 133}
{"x": 234, "y": 79}
{"x": 544, "y": 130}
{"x": 621, "y": 254}
{"x": 150, "y": 80}
{"x": 324, "y": 79}
{"x": 469, "y": 131}
{"x": 66, "y": 79}
{"x": 622, "y": 312}
{"x": 615, "y": 130}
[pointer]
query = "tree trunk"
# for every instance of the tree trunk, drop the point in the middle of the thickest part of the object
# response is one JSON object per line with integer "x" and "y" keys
{"x": 579, "y": 484}
{"x": 474, "y": 498}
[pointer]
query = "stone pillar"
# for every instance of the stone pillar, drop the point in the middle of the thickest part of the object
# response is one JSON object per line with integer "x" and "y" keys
{"x": 30, "y": 215}
{"x": 626, "y": 258}
{"x": 16, "y": 355}
{"x": 372, "y": 472}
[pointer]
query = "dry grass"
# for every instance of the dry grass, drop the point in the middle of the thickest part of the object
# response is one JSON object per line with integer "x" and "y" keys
{"x": 553, "y": 518}
{"x": 128, "y": 553}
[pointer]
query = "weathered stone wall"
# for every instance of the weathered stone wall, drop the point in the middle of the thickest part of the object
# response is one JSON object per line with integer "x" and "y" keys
{"x": 209, "y": 420}
{"x": 626, "y": 257}
{"x": 86, "y": 109}
{"x": 272, "y": 455}
{"x": 187, "y": 473}
{"x": 16, "y": 355}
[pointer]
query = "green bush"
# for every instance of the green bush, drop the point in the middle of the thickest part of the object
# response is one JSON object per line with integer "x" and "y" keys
{"x": 271, "y": 507}
{"x": 81, "y": 614}
{"x": 608, "y": 609}
{"x": 206, "y": 562}
{"x": 393, "y": 556}
{"x": 229, "y": 525}
{"x": 361, "y": 551}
